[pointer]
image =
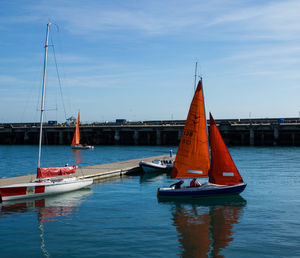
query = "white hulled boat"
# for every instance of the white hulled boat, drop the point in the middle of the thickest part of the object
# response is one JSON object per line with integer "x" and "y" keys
{"x": 46, "y": 182}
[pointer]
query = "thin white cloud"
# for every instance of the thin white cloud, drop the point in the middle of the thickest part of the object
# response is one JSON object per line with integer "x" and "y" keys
{"x": 6, "y": 80}
{"x": 218, "y": 20}
{"x": 278, "y": 20}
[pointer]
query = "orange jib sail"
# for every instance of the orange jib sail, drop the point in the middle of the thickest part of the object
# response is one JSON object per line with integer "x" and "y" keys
{"x": 192, "y": 158}
{"x": 223, "y": 170}
{"x": 76, "y": 137}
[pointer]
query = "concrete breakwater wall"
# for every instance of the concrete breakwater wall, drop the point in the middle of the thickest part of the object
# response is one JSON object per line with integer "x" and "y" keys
{"x": 246, "y": 132}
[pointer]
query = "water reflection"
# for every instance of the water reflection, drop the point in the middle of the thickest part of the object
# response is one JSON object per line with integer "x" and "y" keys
{"x": 47, "y": 209}
{"x": 150, "y": 177}
{"x": 77, "y": 154}
{"x": 205, "y": 227}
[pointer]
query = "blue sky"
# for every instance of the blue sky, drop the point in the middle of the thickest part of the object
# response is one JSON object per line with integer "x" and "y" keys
{"x": 136, "y": 59}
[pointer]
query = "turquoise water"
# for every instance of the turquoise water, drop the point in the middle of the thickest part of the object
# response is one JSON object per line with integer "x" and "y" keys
{"x": 123, "y": 218}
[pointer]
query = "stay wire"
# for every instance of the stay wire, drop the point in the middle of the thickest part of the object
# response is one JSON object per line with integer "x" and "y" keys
{"x": 59, "y": 80}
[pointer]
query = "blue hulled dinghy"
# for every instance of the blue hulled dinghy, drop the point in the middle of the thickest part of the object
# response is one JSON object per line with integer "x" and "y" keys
{"x": 192, "y": 158}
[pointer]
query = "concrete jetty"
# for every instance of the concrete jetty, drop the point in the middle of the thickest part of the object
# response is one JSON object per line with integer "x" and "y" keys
{"x": 96, "y": 172}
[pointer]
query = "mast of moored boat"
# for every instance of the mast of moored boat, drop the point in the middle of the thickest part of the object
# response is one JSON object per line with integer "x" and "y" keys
{"x": 195, "y": 82}
{"x": 205, "y": 117}
{"x": 43, "y": 96}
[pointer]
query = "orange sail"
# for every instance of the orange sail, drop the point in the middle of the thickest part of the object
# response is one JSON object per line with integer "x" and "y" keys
{"x": 192, "y": 158}
{"x": 76, "y": 137}
{"x": 223, "y": 170}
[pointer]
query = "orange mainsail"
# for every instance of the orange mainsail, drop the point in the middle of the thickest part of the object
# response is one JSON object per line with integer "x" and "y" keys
{"x": 223, "y": 170}
{"x": 76, "y": 137}
{"x": 192, "y": 158}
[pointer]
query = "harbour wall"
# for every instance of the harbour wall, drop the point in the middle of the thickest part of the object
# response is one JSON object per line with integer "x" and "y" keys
{"x": 239, "y": 132}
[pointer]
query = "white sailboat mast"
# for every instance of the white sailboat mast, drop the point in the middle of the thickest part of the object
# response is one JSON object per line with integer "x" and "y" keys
{"x": 43, "y": 96}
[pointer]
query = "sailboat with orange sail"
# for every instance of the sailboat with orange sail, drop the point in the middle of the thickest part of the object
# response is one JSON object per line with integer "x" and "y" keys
{"x": 76, "y": 138}
{"x": 192, "y": 158}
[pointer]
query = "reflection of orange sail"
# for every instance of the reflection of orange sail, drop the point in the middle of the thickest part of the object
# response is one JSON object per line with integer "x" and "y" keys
{"x": 223, "y": 170}
{"x": 76, "y": 137}
{"x": 206, "y": 229}
{"x": 192, "y": 158}
{"x": 222, "y": 220}
{"x": 194, "y": 232}
{"x": 77, "y": 156}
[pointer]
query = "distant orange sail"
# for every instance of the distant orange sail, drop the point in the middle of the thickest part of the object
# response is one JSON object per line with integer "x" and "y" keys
{"x": 223, "y": 170}
{"x": 192, "y": 158}
{"x": 76, "y": 137}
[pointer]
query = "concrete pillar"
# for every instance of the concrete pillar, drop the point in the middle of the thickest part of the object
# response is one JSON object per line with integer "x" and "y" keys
{"x": 136, "y": 137}
{"x": 148, "y": 138}
{"x": 26, "y": 137}
{"x": 117, "y": 137}
{"x": 251, "y": 136}
{"x": 69, "y": 137}
{"x": 61, "y": 137}
{"x": 262, "y": 138}
{"x": 242, "y": 138}
{"x": 164, "y": 139}
{"x": 179, "y": 134}
{"x": 158, "y": 137}
{"x": 276, "y": 135}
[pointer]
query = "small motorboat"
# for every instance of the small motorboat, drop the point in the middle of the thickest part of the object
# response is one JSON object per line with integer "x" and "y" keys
{"x": 157, "y": 165}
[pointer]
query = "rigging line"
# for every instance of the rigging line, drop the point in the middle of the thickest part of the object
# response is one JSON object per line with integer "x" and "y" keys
{"x": 59, "y": 80}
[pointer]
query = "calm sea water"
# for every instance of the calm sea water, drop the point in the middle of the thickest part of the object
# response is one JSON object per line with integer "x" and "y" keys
{"x": 123, "y": 218}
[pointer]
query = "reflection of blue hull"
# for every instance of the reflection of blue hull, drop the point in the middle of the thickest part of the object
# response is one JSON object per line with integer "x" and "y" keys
{"x": 206, "y": 189}
{"x": 213, "y": 200}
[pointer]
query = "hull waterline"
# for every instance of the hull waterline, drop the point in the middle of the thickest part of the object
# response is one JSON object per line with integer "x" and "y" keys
{"x": 204, "y": 190}
{"x": 82, "y": 147}
{"x": 43, "y": 188}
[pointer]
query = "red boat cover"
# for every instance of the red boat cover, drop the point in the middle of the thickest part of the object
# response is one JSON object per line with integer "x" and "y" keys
{"x": 222, "y": 168}
{"x": 192, "y": 158}
{"x": 55, "y": 171}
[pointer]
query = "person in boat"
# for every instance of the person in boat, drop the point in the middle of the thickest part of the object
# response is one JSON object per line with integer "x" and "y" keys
{"x": 194, "y": 183}
{"x": 177, "y": 185}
